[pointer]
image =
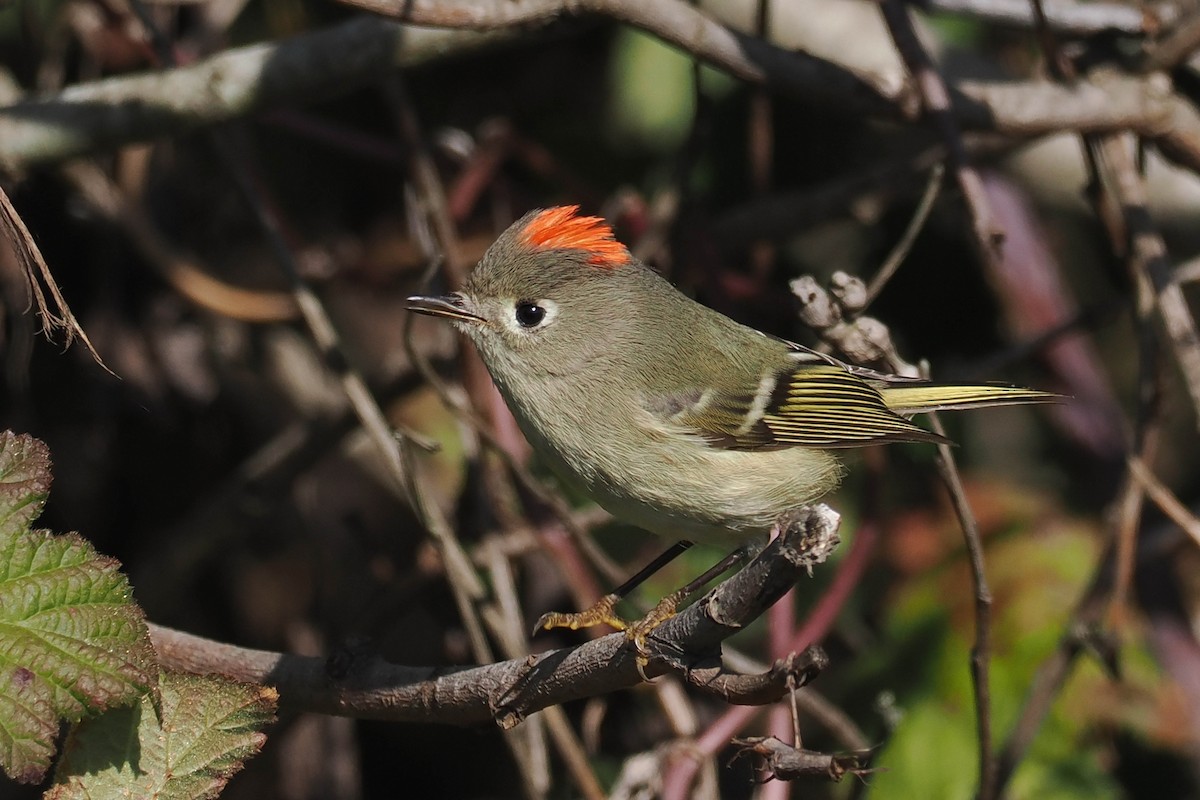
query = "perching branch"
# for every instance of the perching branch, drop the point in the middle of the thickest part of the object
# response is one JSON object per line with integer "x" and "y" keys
{"x": 508, "y": 691}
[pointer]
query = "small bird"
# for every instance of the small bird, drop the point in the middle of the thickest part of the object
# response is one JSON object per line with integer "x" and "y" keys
{"x": 670, "y": 415}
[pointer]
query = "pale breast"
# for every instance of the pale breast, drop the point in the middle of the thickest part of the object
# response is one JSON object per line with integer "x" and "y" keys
{"x": 677, "y": 485}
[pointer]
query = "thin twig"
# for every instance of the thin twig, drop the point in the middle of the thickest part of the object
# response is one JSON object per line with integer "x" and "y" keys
{"x": 935, "y": 100}
{"x": 397, "y": 454}
{"x": 188, "y": 277}
{"x": 1149, "y": 391}
{"x": 896, "y": 257}
{"x": 1112, "y": 184}
{"x": 1147, "y": 257}
{"x": 832, "y": 718}
{"x": 465, "y": 584}
{"x": 1052, "y": 673}
{"x": 41, "y": 280}
{"x": 316, "y": 318}
{"x": 437, "y": 220}
{"x": 849, "y": 571}
{"x": 981, "y": 649}
{"x": 1165, "y": 499}
{"x": 611, "y": 571}
{"x": 1114, "y": 572}
{"x": 778, "y": 215}
{"x": 509, "y": 627}
{"x": 1174, "y": 48}
{"x": 432, "y": 197}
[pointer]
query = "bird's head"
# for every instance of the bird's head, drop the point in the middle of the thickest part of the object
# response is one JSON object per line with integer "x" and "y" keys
{"x": 546, "y": 296}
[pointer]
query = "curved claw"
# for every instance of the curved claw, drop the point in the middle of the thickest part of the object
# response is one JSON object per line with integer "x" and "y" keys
{"x": 601, "y": 613}
{"x": 640, "y": 631}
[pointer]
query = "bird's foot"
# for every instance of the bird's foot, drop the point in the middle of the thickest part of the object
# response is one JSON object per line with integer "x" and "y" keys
{"x": 601, "y": 613}
{"x": 640, "y": 631}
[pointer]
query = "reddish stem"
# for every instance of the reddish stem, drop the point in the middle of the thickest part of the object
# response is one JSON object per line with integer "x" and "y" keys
{"x": 680, "y": 776}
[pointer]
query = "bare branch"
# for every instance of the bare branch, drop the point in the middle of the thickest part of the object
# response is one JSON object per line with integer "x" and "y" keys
{"x": 106, "y": 114}
{"x": 676, "y": 22}
{"x": 981, "y": 649}
{"x": 508, "y": 691}
{"x": 1165, "y": 499}
{"x": 1104, "y": 101}
{"x": 787, "y": 763}
{"x": 185, "y": 273}
{"x": 902, "y": 247}
{"x": 1175, "y": 47}
{"x": 766, "y": 687}
{"x": 1065, "y": 16}
{"x": 1148, "y": 259}
{"x": 936, "y": 102}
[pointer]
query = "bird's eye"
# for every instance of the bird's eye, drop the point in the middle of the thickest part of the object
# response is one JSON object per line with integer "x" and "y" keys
{"x": 530, "y": 315}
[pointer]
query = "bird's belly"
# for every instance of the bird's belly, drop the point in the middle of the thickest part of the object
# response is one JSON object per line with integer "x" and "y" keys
{"x": 692, "y": 491}
{"x": 672, "y": 484}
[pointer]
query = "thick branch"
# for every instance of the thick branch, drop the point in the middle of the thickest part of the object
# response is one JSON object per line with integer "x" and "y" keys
{"x": 676, "y": 22}
{"x": 106, "y": 114}
{"x": 1146, "y": 253}
{"x": 508, "y": 691}
{"x": 1065, "y": 17}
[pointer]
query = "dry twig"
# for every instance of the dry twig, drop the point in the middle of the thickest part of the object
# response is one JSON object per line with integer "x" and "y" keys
{"x": 55, "y": 313}
{"x": 981, "y": 648}
{"x": 936, "y": 102}
{"x": 508, "y": 691}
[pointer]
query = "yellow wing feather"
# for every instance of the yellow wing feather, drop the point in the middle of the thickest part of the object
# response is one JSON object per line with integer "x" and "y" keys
{"x": 823, "y": 405}
{"x": 907, "y": 399}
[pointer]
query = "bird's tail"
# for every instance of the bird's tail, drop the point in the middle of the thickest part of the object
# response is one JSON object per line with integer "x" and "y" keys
{"x": 920, "y": 398}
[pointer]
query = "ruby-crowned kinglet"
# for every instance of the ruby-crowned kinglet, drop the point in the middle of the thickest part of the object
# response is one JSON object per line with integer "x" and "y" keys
{"x": 670, "y": 415}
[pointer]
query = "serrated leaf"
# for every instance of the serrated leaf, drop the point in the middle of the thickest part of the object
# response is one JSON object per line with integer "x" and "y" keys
{"x": 210, "y": 726}
{"x": 24, "y": 481}
{"x": 72, "y": 642}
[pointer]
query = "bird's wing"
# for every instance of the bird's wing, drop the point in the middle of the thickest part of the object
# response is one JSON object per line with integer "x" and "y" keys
{"x": 810, "y": 403}
{"x": 807, "y": 355}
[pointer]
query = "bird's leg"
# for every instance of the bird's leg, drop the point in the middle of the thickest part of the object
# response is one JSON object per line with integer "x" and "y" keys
{"x": 603, "y": 612}
{"x": 639, "y": 631}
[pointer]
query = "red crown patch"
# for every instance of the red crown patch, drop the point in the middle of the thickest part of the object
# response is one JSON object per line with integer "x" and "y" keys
{"x": 561, "y": 229}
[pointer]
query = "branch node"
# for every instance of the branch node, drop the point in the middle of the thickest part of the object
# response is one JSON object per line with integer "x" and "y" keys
{"x": 786, "y": 763}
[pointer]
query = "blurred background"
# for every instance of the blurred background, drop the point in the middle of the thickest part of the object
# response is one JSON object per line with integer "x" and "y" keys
{"x": 221, "y": 462}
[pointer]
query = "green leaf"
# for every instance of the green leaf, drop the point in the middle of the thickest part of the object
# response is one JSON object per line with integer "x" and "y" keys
{"x": 24, "y": 481}
{"x": 72, "y": 642}
{"x": 209, "y": 727}
{"x": 1035, "y": 579}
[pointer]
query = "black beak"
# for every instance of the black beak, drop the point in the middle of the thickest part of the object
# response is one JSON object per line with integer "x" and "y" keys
{"x": 450, "y": 306}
